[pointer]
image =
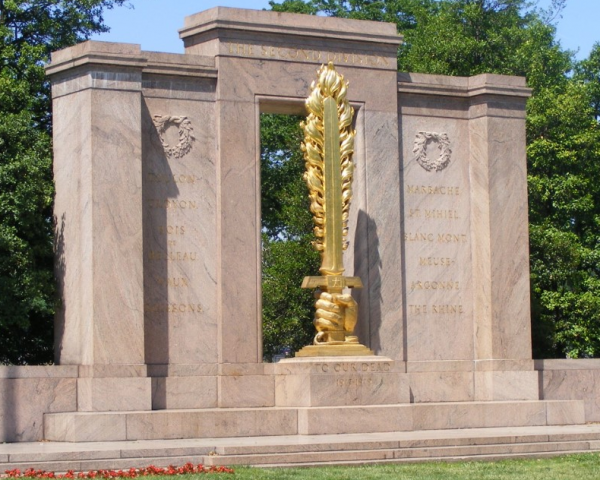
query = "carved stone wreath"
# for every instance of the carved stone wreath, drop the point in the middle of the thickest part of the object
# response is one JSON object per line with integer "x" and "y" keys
{"x": 420, "y": 150}
{"x": 186, "y": 134}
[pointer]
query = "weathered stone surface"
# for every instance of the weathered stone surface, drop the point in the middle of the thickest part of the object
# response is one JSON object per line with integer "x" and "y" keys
{"x": 179, "y": 204}
{"x": 507, "y": 385}
{"x": 113, "y": 394}
{"x": 246, "y": 391}
{"x": 85, "y": 427}
{"x": 23, "y": 402}
{"x": 211, "y": 423}
{"x": 98, "y": 206}
{"x": 565, "y": 413}
{"x": 441, "y": 387}
{"x": 341, "y": 389}
{"x": 184, "y": 392}
{"x": 572, "y": 380}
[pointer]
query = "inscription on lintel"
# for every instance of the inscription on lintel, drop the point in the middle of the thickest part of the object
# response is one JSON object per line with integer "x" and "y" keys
{"x": 306, "y": 55}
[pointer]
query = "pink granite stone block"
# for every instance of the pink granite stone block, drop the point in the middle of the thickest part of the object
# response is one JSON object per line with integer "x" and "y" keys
{"x": 246, "y": 391}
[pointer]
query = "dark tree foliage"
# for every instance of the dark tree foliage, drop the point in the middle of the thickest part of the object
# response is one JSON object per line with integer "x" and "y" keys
{"x": 29, "y": 31}
{"x": 515, "y": 37}
{"x": 288, "y": 255}
{"x": 564, "y": 174}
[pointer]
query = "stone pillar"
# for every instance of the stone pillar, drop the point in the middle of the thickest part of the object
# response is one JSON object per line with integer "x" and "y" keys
{"x": 465, "y": 237}
{"x": 499, "y": 229}
{"x": 498, "y": 115}
{"x": 96, "y": 90}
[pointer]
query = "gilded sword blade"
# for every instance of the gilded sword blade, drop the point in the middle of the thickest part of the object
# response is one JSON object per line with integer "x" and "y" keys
{"x": 332, "y": 263}
{"x": 328, "y": 147}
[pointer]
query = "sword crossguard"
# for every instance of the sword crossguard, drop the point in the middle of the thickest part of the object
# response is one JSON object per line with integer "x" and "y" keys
{"x": 332, "y": 282}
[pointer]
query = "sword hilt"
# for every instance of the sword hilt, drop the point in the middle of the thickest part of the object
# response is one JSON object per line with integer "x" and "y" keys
{"x": 332, "y": 282}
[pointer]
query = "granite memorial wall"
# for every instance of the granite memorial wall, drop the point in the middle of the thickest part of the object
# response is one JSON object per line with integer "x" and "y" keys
{"x": 158, "y": 240}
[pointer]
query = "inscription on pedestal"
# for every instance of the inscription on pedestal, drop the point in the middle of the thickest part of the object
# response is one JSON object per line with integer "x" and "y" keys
{"x": 351, "y": 367}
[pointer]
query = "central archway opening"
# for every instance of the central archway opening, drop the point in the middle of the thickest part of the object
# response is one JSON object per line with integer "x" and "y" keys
{"x": 286, "y": 236}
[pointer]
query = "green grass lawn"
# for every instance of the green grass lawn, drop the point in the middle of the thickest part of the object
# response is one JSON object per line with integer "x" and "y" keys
{"x": 575, "y": 467}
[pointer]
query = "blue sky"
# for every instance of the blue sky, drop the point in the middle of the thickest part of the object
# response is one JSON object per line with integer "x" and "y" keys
{"x": 154, "y": 23}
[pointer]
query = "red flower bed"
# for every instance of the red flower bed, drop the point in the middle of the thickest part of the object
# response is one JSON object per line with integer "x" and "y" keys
{"x": 131, "y": 473}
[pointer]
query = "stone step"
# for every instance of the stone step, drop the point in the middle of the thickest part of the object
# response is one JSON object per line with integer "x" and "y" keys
{"x": 375, "y": 455}
{"x": 435, "y": 441}
{"x": 484, "y": 443}
{"x": 254, "y": 422}
{"x": 479, "y": 458}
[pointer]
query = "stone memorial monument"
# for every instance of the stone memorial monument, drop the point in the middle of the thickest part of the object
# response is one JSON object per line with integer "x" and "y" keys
{"x": 157, "y": 170}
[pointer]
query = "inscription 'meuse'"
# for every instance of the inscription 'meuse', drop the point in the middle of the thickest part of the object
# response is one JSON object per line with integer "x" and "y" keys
{"x": 305, "y": 55}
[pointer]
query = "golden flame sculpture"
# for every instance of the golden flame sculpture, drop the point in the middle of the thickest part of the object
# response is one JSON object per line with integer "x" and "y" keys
{"x": 328, "y": 147}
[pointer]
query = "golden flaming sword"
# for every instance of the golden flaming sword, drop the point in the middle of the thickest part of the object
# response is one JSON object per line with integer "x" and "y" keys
{"x": 328, "y": 147}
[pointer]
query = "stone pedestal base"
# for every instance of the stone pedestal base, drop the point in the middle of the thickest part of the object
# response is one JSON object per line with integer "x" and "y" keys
{"x": 113, "y": 394}
{"x": 256, "y": 422}
{"x": 347, "y": 349}
{"x": 113, "y": 388}
{"x": 348, "y": 380}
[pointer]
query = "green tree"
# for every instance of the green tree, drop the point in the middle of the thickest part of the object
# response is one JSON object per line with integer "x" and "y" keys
{"x": 564, "y": 174}
{"x": 514, "y": 37}
{"x": 588, "y": 72}
{"x": 288, "y": 255}
{"x": 29, "y": 32}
